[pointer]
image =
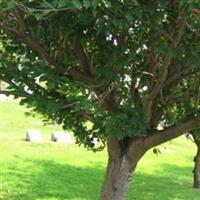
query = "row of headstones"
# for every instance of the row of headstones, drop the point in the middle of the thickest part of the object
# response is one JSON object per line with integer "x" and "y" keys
{"x": 56, "y": 136}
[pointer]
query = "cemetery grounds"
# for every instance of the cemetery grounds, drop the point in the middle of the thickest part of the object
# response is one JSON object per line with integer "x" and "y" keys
{"x": 52, "y": 171}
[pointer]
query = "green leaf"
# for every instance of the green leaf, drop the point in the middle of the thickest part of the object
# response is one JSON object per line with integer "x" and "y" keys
{"x": 77, "y": 4}
{"x": 107, "y": 3}
{"x": 62, "y": 3}
{"x": 10, "y": 5}
{"x": 94, "y": 4}
{"x": 86, "y": 3}
{"x": 38, "y": 16}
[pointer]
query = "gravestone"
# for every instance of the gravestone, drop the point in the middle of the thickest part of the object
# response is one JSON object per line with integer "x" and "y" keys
{"x": 95, "y": 142}
{"x": 3, "y": 97}
{"x": 61, "y": 137}
{"x": 33, "y": 136}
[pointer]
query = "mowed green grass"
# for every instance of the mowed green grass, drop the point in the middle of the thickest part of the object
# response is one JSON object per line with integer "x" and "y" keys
{"x": 50, "y": 171}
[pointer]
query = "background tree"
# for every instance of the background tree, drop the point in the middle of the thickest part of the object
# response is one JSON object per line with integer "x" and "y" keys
{"x": 123, "y": 66}
{"x": 196, "y": 170}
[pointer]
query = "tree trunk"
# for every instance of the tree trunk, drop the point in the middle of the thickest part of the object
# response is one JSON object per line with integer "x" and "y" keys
{"x": 123, "y": 156}
{"x": 117, "y": 180}
{"x": 196, "y": 170}
{"x": 121, "y": 164}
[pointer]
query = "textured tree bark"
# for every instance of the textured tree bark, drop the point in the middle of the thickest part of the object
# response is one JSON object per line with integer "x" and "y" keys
{"x": 117, "y": 180}
{"x": 123, "y": 156}
{"x": 196, "y": 170}
{"x": 121, "y": 164}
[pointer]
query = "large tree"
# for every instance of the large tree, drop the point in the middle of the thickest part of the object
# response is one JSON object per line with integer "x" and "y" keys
{"x": 112, "y": 70}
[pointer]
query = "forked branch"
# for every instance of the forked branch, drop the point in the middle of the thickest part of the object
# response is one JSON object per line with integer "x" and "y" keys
{"x": 170, "y": 133}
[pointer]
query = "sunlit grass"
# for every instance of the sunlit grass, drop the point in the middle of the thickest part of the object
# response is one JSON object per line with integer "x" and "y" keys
{"x": 50, "y": 171}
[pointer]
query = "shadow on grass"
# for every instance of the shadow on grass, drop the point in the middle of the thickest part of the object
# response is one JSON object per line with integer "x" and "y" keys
{"x": 65, "y": 182}
{"x": 60, "y": 182}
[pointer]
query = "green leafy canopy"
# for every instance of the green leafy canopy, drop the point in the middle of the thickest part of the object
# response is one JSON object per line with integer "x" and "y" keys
{"x": 103, "y": 68}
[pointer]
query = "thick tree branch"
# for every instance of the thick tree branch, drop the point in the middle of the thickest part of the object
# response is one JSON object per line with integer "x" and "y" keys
{"x": 152, "y": 93}
{"x": 19, "y": 19}
{"x": 8, "y": 29}
{"x": 196, "y": 11}
{"x": 164, "y": 33}
{"x": 21, "y": 33}
{"x": 180, "y": 26}
{"x": 152, "y": 60}
{"x": 75, "y": 73}
{"x": 81, "y": 76}
{"x": 177, "y": 76}
{"x": 170, "y": 133}
{"x": 39, "y": 49}
{"x": 82, "y": 57}
{"x": 162, "y": 76}
{"x": 172, "y": 81}
{"x": 121, "y": 39}
{"x": 177, "y": 99}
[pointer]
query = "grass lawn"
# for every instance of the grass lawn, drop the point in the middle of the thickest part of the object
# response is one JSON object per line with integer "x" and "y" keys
{"x": 50, "y": 171}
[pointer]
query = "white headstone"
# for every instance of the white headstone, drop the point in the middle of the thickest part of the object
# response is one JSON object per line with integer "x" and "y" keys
{"x": 3, "y": 97}
{"x": 33, "y": 136}
{"x": 61, "y": 137}
{"x": 95, "y": 142}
